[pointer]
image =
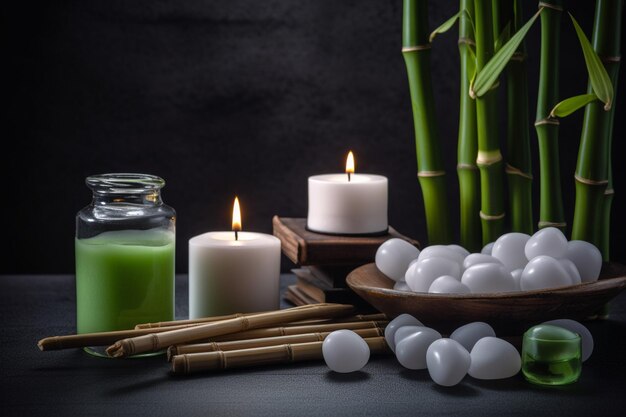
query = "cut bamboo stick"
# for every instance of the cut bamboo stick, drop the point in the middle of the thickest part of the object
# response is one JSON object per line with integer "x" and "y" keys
{"x": 156, "y": 341}
{"x": 97, "y": 339}
{"x": 204, "y": 320}
{"x": 262, "y": 342}
{"x": 286, "y": 353}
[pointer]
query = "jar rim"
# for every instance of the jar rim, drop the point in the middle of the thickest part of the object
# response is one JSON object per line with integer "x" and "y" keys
{"x": 124, "y": 183}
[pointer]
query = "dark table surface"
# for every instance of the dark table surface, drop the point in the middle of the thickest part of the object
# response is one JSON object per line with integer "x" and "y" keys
{"x": 70, "y": 382}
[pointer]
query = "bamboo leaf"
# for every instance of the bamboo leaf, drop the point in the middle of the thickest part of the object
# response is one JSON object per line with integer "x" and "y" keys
{"x": 503, "y": 37}
{"x": 599, "y": 78}
{"x": 444, "y": 27}
{"x": 489, "y": 74}
{"x": 570, "y": 105}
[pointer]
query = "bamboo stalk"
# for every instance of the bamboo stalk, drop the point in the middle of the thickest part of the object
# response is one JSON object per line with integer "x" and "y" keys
{"x": 551, "y": 203}
{"x": 518, "y": 167}
{"x": 97, "y": 339}
{"x": 593, "y": 193}
{"x": 157, "y": 341}
{"x": 431, "y": 173}
{"x": 467, "y": 171}
{"x": 262, "y": 342}
{"x": 358, "y": 317}
{"x": 287, "y": 353}
{"x": 286, "y": 331}
{"x": 489, "y": 158}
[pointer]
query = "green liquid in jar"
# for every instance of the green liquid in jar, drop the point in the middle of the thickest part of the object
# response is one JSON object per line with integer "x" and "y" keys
{"x": 565, "y": 371}
{"x": 124, "y": 278}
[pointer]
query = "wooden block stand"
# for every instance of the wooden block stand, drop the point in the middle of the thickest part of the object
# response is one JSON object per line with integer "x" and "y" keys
{"x": 324, "y": 261}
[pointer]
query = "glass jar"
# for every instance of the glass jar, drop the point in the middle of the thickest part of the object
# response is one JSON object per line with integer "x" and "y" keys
{"x": 125, "y": 243}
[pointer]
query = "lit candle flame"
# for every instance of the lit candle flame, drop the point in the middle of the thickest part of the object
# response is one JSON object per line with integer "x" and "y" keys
{"x": 236, "y": 218}
{"x": 350, "y": 164}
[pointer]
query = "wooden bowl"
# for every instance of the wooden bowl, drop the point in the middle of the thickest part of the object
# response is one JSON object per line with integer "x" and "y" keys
{"x": 512, "y": 311}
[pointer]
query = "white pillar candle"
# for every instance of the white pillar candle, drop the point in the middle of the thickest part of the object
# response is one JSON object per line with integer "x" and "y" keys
{"x": 233, "y": 273}
{"x": 348, "y": 204}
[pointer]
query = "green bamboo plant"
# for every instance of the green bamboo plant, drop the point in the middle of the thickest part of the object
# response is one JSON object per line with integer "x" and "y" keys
{"x": 518, "y": 166}
{"x": 594, "y": 188}
{"x": 482, "y": 63}
{"x": 489, "y": 158}
{"x": 431, "y": 173}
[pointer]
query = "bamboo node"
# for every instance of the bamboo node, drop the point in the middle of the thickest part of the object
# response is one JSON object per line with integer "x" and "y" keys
{"x": 466, "y": 41}
{"x": 550, "y": 6}
{"x": 558, "y": 225}
{"x": 491, "y": 216}
{"x": 610, "y": 59}
{"x": 416, "y": 48}
{"x": 462, "y": 165}
{"x": 589, "y": 181}
{"x": 547, "y": 121}
{"x": 424, "y": 174}
{"x": 223, "y": 361}
{"x": 290, "y": 355}
{"x": 609, "y": 191}
{"x": 510, "y": 169}
{"x": 486, "y": 158}
{"x": 245, "y": 323}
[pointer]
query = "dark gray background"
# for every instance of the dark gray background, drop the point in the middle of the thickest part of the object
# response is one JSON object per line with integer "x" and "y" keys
{"x": 228, "y": 97}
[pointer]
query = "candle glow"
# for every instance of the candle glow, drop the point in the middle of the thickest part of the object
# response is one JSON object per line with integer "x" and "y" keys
{"x": 236, "y": 225}
{"x": 350, "y": 164}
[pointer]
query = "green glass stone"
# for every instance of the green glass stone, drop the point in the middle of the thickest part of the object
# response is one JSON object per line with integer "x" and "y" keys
{"x": 551, "y": 355}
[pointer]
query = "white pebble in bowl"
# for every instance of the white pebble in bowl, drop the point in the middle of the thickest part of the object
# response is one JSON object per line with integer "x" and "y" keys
{"x": 395, "y": 324}
{"x": 411, "y": 350}
{"x": 479, "y": 258}
{"x": 544, "y": 272}
{"x": 587, "y": 259}
{"x": 447, "y": 284}
{"x": 487, "y": 248}
{"x": 393, "y": 258}
{"x": 572, "y": 271}
{"x": 576, "y": 327}
{"x": 494, "y": 358}
{"x": 460, "y": 249}
{"x": 471, "y": 333}
{"x": 517, "y": 276}
{"x": 345, "y": 351}
{"x": 442, "y": 251}
{"x": 509, "y": 249}
{"x": 549, "y": 241}
{"x": 447, "y": 362}
{"x": 488, "y": 278}
{"x": 422, "y": 274}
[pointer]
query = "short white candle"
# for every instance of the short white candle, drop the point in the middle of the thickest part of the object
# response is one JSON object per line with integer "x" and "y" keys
{"x": 348, "y": 204}
{"x": 233, "y": 276}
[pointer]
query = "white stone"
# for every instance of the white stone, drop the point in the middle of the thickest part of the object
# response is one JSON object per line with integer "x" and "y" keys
{"x": 411, "y": 350}
{"x": 544, "y": 272}
{"x": 395, "y": 324}
{"x": 448, "y": 284}
{"x": 405, "y": 331}
{"x": 422, "y": 274}
{"x": 460, "y": 249}
{"x": 586, "y": 257}
{"x": 549, "y": 241}
{"x": 345, "y": 351}
{"x": 572, "y": 271}
{"x": 509, "y": 249}
{"x": 401, "y": 286}
{"x": 393, "y": 258}
{"x": 493, "y": 358}
{"x": 442, "y": 251}
{"x": 488, "y": 278}
{"x": 471, "y": 333}
{"x": 479, "y": 258}
{"x": 517, "y": 276}
{"x": 487, "y": 248}
{"x": 447, "y": 362}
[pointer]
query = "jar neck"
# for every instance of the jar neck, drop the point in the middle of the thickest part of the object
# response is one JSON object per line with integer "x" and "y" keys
{"x": 151, "y": 198}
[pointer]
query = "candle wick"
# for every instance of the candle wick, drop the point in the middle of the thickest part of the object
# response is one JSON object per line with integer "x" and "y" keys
{"x": 348, "y": 177}
{"x": 236, "y": 235}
